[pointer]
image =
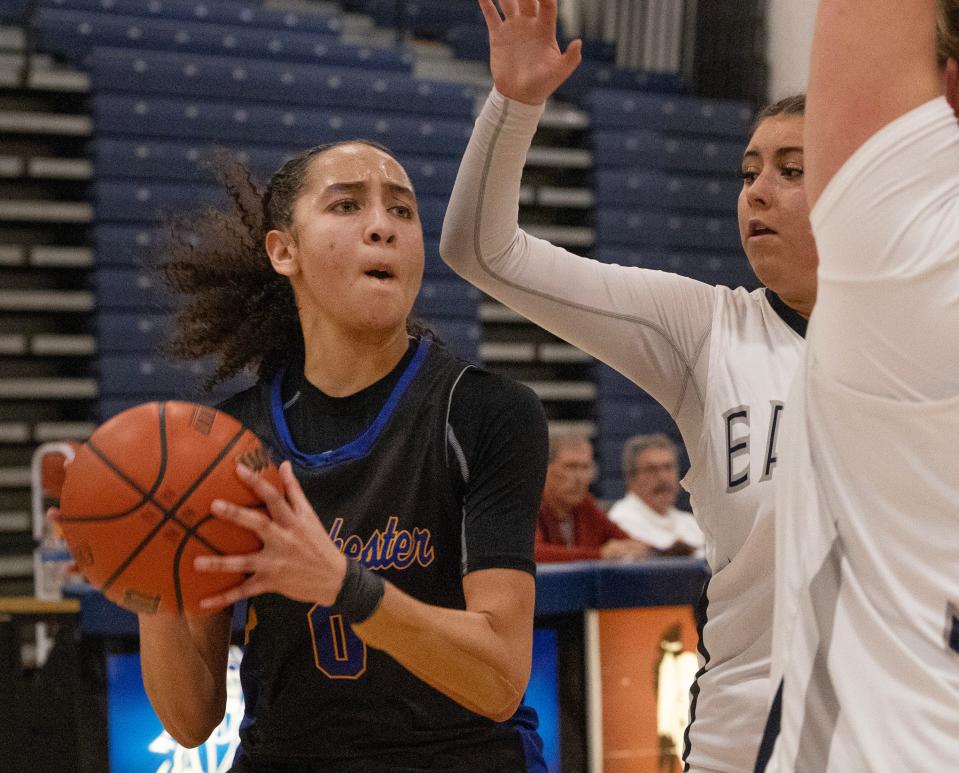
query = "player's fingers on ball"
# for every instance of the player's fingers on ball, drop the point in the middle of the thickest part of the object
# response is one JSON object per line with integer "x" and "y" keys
{"x": 269, "y": 494}
{"x": 222, "y": 601}
{"x": 242, "y": 564}
{"x": 294, "y": 491}
{"x": 248, "y": 518}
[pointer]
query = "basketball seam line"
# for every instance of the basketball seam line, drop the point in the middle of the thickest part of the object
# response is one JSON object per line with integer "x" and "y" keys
{"x": 170, "y": 513}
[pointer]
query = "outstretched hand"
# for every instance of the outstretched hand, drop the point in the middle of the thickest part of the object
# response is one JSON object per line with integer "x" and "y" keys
{"x": 298, "y": 559}
{"x": 525, "y": 58}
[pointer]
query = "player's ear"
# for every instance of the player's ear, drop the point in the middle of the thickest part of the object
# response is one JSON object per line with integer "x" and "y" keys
{"x": 952, "y": 84}
{"x": 281, "y": 248}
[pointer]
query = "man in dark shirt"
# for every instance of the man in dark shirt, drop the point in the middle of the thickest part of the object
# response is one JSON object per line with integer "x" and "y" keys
{"x": 572, "y": 526}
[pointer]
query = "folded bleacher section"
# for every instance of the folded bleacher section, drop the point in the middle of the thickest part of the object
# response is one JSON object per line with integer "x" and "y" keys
{"x": 175, "y": 80}
{"x": 46, "y": 388}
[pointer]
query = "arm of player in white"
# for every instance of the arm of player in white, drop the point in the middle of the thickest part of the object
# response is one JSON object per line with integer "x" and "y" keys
{"x": 480, "y": 657}
{"x": 872, "y": 61}
{"x": 184, "y": 664}
{"x": 649, "y": 325}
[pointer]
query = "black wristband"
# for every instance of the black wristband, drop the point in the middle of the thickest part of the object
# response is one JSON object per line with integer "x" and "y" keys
{"x": 361, "y": 593}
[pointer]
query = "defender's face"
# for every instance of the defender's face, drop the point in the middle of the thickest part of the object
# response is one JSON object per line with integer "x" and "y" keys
{"x": 773, "y": 214}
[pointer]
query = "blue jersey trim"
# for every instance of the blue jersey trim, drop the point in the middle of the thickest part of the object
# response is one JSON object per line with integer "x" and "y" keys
{"x": 526, "y": 723}
{"x": 702, "y": 617}
{"x": 771, "y": 731}
{"x": 355, "y": 449}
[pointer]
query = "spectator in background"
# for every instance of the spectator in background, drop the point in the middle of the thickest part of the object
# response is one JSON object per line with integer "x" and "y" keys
{"x": 648, "y": 512}
{"x": 572, "y": 526}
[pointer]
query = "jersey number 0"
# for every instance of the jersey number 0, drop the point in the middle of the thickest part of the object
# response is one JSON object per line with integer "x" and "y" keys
{"x": 337, "y": 651}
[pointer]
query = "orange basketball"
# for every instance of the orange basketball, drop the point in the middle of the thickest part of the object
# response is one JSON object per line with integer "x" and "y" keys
{"x": 136, "y": 504}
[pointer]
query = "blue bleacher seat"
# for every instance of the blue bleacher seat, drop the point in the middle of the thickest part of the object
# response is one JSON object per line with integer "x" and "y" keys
{"x": 260, "y": 123}
{"x": 609, "y": 452}
{"x": 658, "y": 150}
{"x": 611, "y": 383}
{"x": 150, "y": 201}
{"x": 651, "y": 188}
{"x": 14, "y": 11}
{"x": 616, "y": 108}
{"x": 593, "y": 75}
{"x": 151, "y": 159}
{"x": 468, "y": 41}
{"x": 131, "y": 331}
{"x": 619, "y": 417}
{"x": 129, "y": 245}
{"x": 659, "y": 228}
{"x": 142, "y": 332}
{"x": 250, "y": 79}
{"x": 130, "y": 288}
{"x": 715, "y": 268}
{"x": 251, "y": 13}
{"x": 611, "y": 489}
{"x": 594, "y": 50}
{"x": 425, "y": 18}
{"x": 137, "y": 333}
{"x": 73, "y": 34}
{"x": 454, "y": 298}
{"x": 149, "y": 375}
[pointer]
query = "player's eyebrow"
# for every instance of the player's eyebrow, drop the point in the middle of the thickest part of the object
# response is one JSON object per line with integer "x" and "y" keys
{"x": 753, "y": 153}
{"x": 359, "y": 185}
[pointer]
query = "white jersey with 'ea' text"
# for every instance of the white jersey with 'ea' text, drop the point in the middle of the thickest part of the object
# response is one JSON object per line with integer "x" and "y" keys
{"x": 719, "y": 360}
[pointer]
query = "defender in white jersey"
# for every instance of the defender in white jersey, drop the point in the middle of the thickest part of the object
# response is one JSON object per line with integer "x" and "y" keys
{"x": 719, "y": 360}
{"x": 866, "y": 641}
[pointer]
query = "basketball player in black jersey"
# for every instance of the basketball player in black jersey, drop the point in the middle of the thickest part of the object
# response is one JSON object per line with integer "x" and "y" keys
{"x": 389, "y": 623}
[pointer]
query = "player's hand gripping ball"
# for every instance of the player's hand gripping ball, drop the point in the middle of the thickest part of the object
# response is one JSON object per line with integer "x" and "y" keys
{"x": 135, "y": 506}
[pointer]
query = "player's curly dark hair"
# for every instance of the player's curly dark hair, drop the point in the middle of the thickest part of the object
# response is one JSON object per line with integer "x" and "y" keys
{"x": 234, "y": 306}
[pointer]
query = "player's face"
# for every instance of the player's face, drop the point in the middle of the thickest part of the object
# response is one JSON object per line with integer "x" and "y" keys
{"x": 356, "y": 243}
{"x": 773, "y": 213}
{"x": 569, "y": 474}
{"x": 656, "y": 478}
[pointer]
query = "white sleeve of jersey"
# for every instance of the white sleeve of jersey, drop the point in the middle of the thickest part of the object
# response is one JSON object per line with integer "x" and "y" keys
{"x": 649, "y": 325}
{"x": 887, "y": 227}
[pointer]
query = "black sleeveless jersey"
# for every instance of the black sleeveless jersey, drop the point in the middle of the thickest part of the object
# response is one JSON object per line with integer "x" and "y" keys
{"x": 317, "y": 698}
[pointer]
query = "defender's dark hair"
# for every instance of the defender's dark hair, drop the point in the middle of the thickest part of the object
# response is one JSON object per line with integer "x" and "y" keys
{"x": 793, "y": 105}
{"x": 234, "y": 306}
